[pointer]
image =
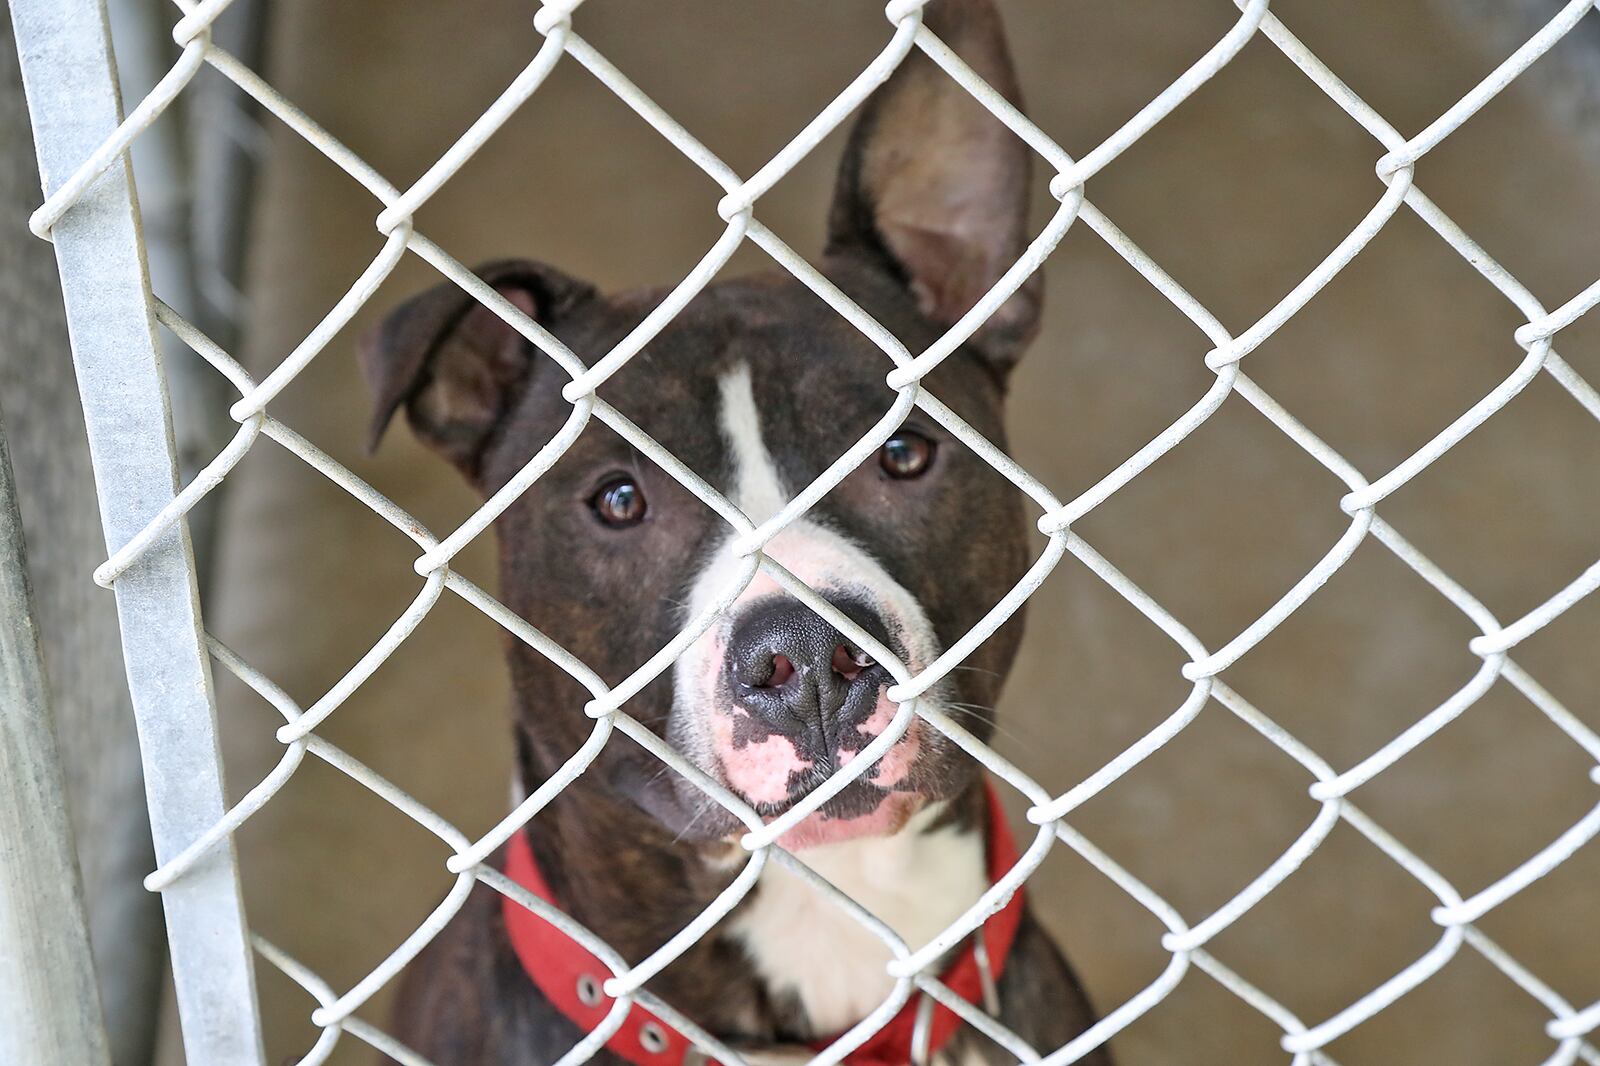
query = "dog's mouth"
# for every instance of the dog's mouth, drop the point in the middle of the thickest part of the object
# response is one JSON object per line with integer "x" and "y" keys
{"x": 859, "y": 810}
{"x": 887, "y": 819}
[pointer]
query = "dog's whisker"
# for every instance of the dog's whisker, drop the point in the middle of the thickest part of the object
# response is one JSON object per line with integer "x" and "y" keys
{"x": 705, "y": 807}
{"x": 985, "y": 715}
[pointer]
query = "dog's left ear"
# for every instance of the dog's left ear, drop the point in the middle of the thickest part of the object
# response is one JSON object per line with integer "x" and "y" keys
{"x": 935, "y": 188}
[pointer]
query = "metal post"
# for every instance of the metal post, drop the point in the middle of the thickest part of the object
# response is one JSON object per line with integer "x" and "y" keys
{"x": 49, "y": 1004}
{"x": 142, "y": 38}
{"x": 70, "y": 79}
{"x": 192, "y": 178}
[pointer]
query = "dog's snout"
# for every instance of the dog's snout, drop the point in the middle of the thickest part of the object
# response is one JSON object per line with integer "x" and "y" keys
{"x": 799, "y": 674}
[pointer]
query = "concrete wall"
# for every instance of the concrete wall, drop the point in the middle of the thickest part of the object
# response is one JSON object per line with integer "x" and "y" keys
{"x": 1239, "y": 194}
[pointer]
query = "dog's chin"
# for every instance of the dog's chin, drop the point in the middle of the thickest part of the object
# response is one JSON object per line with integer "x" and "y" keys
{"x": 859, "y": 811}
{"x": 828, "y": 825}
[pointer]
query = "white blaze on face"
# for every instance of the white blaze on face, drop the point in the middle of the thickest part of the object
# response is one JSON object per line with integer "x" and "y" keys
{"x": 757, "y": 489}
{"x": 892, "y": 862}
{"x": 825, "y": 560}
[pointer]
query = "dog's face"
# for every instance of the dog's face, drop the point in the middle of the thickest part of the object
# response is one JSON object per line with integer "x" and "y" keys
{"x": 757, "y": 387}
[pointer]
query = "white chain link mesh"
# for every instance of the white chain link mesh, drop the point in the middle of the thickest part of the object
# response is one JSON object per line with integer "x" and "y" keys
{"x": 1569, "y": 1026}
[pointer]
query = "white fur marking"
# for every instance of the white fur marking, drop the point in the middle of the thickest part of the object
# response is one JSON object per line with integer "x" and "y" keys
{"x": 917, "y": 882}
{"x": 822, "y": 558}
{"x": 757, "y": 490}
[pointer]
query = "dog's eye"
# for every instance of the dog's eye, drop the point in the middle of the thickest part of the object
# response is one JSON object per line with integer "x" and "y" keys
{"x": 619, "y": 502}
{"x": 906, "y": 455}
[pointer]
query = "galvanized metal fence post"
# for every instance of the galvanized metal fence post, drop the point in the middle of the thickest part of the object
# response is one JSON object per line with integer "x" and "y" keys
{"x": 49, "y": 1005}
{"x": 71, "y": 84}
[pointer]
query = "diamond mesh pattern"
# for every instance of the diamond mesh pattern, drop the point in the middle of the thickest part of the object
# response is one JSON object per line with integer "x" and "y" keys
{"x": 1186, "y": 938}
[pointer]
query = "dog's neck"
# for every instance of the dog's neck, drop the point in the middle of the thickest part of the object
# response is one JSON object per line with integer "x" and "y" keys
{"x": 810, "y": 968}
{"x": 806, "y": 946}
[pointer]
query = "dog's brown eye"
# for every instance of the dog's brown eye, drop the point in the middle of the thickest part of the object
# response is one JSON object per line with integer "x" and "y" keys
{"x": 620, "y": 502}
{"x": 906, "y": 454}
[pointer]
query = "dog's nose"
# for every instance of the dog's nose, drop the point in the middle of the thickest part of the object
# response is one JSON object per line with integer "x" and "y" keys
{"x": 799, "y": 675}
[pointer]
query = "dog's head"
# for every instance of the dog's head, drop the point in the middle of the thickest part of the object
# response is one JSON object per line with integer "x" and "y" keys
{"x": 758, "y": 386}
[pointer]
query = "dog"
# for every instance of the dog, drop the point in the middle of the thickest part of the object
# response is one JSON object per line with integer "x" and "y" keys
{"x": 757, "y": 386}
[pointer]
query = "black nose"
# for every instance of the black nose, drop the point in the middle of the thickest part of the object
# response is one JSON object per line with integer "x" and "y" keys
{"x": 800, "y": 676}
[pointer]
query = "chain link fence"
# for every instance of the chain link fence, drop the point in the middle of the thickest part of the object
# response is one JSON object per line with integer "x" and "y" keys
{"x": 91, "y": 216}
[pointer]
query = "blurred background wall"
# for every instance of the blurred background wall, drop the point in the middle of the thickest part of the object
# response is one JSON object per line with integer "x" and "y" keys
{"x": 1238, "y": 195}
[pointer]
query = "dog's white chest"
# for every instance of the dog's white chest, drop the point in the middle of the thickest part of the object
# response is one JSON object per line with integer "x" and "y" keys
{"x": 803, "y": 943}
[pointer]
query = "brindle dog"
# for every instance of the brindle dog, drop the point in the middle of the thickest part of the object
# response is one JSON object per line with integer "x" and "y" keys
{"x": 757, "y": 386}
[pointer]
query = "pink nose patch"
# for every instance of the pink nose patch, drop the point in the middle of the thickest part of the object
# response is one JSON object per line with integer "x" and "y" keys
{"x": 761, "y": 769}
{"x": 895, "y": 766}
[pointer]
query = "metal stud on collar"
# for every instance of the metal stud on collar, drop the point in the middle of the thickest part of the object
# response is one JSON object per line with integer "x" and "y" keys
{"x": 589, "y": 993}
{"x": 652, "y": 1038}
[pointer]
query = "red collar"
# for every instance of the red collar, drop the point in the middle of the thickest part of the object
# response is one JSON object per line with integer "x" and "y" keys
{"x": 559, "y": 965}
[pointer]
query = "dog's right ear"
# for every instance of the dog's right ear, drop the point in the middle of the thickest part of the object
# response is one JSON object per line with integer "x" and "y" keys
{"x": 455, "y": 365}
